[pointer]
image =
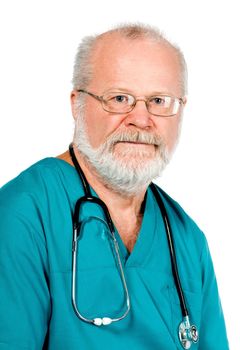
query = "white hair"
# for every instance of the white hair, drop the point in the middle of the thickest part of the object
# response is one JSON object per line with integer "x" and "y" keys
{"x": 82, "y": 72}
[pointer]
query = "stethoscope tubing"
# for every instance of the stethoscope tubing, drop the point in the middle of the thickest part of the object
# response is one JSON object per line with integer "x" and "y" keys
{"x": 167, "y": 225}
{"x": 171, "y": 249}
{"x": 188, "y": 333}
{"x": 89, "y": 198}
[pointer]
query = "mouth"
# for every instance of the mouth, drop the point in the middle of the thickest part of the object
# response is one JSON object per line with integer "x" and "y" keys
{"x": 136, "y": 143}
{"x": 134, "y": 146}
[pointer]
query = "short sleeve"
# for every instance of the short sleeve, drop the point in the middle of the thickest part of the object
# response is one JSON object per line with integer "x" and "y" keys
{"x": 213, "y": 331}
{"x": 24, "y": 291}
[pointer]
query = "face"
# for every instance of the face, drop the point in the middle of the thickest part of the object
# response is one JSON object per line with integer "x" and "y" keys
{"x": 142, "y": 68}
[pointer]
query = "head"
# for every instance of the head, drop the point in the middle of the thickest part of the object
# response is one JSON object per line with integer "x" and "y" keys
{"x": 128, "y": 149}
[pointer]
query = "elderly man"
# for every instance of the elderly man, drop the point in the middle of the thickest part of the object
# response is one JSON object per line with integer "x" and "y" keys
{"x": 93, "y": 255}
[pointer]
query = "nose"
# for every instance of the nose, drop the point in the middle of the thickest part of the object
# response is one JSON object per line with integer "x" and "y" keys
{"x": 139, "y": 116}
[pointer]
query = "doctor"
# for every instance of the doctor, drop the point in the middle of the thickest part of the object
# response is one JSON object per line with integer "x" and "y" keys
{"x": 129, "y": 92}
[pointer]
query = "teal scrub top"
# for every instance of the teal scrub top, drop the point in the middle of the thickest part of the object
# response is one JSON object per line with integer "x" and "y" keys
{"x": 36, "y": 310}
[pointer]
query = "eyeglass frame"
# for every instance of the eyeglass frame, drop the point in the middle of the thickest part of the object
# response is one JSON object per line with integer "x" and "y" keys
{"x": 136, "y": 99}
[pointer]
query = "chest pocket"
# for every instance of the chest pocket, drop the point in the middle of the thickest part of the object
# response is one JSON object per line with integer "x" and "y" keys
{"x": 193, "y": 299}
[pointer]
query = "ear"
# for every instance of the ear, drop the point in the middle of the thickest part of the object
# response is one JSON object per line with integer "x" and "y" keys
{"x": 184, "y": 100}
{"x": 73, "y": 98}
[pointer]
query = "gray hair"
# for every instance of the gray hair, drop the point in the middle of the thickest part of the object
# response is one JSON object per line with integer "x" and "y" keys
{"x": 82, "y": 72}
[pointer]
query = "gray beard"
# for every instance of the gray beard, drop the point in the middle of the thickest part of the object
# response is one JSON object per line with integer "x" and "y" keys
{"x": 130, "y": 171}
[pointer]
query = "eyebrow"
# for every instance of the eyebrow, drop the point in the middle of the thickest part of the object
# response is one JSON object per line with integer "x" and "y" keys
{"x": 154, "y": 93}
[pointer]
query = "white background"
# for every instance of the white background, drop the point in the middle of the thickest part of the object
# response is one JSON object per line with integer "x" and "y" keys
{"x": 38, "y": 44}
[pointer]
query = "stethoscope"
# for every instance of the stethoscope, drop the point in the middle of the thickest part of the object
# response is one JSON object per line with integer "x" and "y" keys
{"x": 188, "y": 333}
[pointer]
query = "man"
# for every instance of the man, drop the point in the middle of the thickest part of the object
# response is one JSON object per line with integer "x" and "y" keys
{"x": 129, "y": 88}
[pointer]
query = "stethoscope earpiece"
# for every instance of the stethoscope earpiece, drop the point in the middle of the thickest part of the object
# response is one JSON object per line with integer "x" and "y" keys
{"x": 187, "y": 334}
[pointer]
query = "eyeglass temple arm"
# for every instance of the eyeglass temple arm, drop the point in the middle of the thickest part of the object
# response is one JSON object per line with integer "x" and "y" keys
{"x": 99, "y": 98}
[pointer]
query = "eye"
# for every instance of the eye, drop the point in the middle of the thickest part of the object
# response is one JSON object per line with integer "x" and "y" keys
{"x": 120, "y": 99}
{"x": 158, "y": 100}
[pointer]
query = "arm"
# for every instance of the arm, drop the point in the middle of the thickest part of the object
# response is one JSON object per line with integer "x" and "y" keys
{"x": 24, "y": 294}
{"x": 212, "y": 332}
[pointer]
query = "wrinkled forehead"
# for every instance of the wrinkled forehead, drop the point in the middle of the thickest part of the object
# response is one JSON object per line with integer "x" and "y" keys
{"x": 135, "y": 62}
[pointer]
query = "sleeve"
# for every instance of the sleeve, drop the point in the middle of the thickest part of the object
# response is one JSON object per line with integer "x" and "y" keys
{"x": 213, "y": 331}
{"x": 24, "y": 293}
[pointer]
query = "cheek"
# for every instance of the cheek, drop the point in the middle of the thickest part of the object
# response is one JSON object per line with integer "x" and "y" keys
{"x": 99, "y": 125}
{"x": 170, "y": 132}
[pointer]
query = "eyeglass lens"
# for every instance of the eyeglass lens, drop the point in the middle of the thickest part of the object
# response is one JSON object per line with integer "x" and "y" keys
{"x": 122, "y": 103}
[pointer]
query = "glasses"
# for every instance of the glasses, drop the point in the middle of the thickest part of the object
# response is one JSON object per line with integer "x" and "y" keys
{"x": 120, "y": 102}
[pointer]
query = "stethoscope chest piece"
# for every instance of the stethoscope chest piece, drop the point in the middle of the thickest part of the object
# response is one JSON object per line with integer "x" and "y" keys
{"x": 187, "y": 334}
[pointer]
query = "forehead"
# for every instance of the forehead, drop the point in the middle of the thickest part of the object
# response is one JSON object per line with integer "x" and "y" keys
{"x": 140, "y": 65}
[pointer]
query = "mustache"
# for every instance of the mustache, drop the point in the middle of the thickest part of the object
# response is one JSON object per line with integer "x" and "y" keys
{"x": 135, "y": 136}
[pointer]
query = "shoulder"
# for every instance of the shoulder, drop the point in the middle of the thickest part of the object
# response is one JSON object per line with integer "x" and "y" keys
{"x": 29, "y": 181}
{"x": 31, "y": 189}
